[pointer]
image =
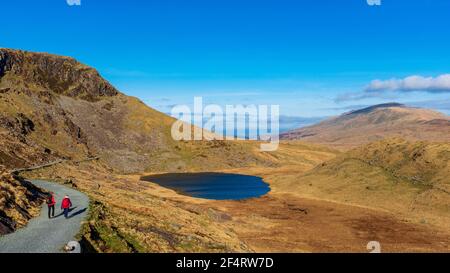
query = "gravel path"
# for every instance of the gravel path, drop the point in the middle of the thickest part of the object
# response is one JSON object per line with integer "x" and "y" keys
{"x": 43, "y": 235}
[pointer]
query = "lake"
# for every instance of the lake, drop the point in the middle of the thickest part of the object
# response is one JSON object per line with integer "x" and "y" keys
{"x": 215, "y": 186}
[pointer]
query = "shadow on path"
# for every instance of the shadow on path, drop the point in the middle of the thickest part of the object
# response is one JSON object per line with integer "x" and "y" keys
{"x": 78, "y": 212}
{"x": 42, "y": 235}
{"x": 62, "y": 212}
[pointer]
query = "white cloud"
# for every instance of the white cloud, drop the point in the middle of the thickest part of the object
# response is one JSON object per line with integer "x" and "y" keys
{"x": 412, "y": 83}
{"x": 389, "y": 89}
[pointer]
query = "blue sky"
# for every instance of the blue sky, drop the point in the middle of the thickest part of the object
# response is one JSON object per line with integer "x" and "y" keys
{"x": 314, "y": 58}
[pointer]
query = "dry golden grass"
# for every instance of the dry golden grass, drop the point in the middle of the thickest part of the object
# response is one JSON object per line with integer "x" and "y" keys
{"x": 334, "y": 214}
{"x": 131, "y": 215}
{"x": 410, "y": 179}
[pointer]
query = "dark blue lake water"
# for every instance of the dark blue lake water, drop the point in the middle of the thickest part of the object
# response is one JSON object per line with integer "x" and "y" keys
{"x": 216, "y": 186}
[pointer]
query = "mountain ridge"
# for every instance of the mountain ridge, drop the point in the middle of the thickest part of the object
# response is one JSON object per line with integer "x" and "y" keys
{"x": 62, "y": 75}
{"x": 54, "y": 107}
{"x": 374, "y": 107}
{"x": 375, "y": 123}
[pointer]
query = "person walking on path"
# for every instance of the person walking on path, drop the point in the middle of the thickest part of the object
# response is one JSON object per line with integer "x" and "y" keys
{"x": 66, "y": 205}
{"x": 51, "y": 202}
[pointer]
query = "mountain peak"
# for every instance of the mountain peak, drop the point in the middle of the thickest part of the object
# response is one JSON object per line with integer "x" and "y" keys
{"x": 42, "y": 71}
{"x": 375, "y": 123}
{"x": 375, "y": 107}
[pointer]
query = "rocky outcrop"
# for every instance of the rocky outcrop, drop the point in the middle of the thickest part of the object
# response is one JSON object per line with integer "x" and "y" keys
{"x": 21, "y": 124}
{"x": 19, "y": 202}
{"x": 62, "y": 75}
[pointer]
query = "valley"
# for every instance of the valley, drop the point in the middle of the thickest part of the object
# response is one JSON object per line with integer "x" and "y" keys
{"x": 293, "y": 217}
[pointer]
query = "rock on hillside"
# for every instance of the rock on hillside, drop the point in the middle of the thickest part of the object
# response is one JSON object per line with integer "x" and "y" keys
{"x": 19, "y": 202}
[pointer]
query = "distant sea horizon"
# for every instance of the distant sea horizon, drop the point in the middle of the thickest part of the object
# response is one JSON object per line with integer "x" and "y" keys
{"x": 286, "y": 123}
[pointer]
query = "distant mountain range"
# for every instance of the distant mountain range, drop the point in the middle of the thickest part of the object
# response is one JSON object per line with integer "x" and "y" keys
{"x": 375, "y": 123}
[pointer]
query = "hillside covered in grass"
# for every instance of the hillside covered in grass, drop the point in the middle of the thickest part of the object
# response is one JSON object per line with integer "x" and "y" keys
{"x": 394, "y": 175}
{"x": 53, "y": 107}
{"x": 376, "y": 123}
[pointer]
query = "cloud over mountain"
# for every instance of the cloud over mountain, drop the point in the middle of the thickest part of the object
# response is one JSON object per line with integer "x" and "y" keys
{"x": 383, "y": 88}
{"x": 412, "y": 83}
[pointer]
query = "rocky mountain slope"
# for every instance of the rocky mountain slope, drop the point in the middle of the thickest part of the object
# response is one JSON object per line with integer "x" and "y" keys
{"x": 54, "y": 107}
{"x": 375, "y": 123}
{"x": 61, "y": 75}
{"x": 19, "y": 202}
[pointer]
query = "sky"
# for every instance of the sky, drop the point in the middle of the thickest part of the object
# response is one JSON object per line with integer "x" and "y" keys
{"x": 314, "y": 58}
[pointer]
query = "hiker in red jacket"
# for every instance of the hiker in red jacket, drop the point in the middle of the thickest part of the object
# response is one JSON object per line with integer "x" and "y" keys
{"x": 51, "y": 205}
{"x": 66, "y": 205}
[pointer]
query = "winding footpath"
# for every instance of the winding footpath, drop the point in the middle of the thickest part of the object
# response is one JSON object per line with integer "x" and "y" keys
{"x": 43, "y": 235}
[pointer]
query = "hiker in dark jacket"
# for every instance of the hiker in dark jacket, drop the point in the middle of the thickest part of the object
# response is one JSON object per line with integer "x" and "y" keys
{"x": 66, "y": 205}
{"x": 51, "y": 202}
